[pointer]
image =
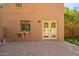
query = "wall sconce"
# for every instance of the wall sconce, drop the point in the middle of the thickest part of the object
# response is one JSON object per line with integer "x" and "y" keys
{"x": 39, "y": 21}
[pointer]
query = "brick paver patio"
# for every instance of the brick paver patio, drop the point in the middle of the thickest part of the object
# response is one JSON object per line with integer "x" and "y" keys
{"x": 42, "y": 48}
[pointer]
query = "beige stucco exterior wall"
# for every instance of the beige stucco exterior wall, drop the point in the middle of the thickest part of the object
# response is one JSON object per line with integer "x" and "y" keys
{"x": 33, "y": 12}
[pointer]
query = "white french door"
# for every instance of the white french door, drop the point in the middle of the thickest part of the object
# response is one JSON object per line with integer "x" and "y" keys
{"x": 49, "y": 29}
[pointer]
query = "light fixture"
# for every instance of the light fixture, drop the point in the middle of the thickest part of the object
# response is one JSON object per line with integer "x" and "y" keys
{"x": 39, "y": 21}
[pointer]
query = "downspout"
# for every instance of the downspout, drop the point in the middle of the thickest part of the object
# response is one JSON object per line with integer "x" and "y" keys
{"x": 1, "y": 6}
{"x": 1, "y": 26}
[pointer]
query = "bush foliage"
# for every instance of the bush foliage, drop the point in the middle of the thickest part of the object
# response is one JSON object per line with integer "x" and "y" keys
{"x": 71, "y": 22}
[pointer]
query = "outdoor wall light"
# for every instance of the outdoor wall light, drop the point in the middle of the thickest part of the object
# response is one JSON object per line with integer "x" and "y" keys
{"x": 39, "y": 21}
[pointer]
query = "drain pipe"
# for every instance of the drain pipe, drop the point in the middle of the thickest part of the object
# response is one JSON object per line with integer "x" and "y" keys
{"x": 1, "y": 6}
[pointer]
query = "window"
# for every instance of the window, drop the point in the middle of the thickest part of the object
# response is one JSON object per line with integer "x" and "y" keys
{"x": 18, "y": 4}
{"x": 25, "y": 25}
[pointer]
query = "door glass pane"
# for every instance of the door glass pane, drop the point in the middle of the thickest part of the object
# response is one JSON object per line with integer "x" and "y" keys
{"x": 53, "y": 36}
{"x": 45, "y": 36}
{"x": 53, "y": 25}
{"x": 46, "y": 25}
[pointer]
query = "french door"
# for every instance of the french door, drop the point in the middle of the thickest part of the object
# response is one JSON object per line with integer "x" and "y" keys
{"x": 49, "y": 29}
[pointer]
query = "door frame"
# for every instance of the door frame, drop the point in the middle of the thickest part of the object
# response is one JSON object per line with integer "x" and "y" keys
{"x": 56, "y": 30}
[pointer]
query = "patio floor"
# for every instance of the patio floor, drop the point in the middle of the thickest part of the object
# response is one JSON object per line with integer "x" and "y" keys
{"x": 42, "y": 48}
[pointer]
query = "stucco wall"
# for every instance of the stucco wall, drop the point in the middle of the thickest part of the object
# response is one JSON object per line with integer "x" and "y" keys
{"x": 34, "y": 13}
